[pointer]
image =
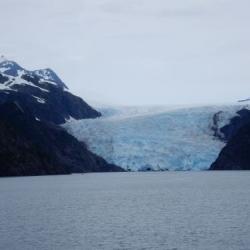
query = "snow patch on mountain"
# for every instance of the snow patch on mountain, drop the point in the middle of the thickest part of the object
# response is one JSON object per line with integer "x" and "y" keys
{"x": 20, "y": 81}
{"x": 40, "y": 100}
{"x": 153, "y": 138}
{"x": 15, "y": 74}
{"x": 50, "y": 76}
{"x": 30, "y": 89}
{"x": 245, "y": 100}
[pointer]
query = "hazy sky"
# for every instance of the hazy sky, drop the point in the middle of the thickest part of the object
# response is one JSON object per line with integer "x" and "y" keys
{"x": 135, "y": 51}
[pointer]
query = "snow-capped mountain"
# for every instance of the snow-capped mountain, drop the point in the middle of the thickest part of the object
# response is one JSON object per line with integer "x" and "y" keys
{"x": 157, "y": 138}
{"x": 12, "y": 70}
{"x": 42, "y": 93}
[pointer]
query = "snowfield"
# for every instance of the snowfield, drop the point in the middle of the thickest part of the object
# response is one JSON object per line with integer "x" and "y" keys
{"x": 155, "y": 138}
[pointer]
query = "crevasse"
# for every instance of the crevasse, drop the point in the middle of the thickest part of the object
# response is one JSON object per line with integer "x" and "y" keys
{"x": 155, "y": 138}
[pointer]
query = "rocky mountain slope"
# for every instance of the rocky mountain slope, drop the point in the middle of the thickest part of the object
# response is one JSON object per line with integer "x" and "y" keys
{"x": 31, "y": 147}
{"x": 41, "y": 92}
{"x": 32, "y": 104}
{"x": 236, "y": 154}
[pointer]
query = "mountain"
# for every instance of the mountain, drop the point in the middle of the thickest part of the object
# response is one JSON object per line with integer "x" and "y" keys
{"x": 32, "y": 105}
{"x": 158, "y": 138}
{"x": 32, "y": 147}
{"x": 239, "y": 120}
{"x": 41, "y": 92}
{"x": 236, "y": 154}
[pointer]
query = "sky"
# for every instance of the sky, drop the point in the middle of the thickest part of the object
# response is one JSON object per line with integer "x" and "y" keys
{"x": 135, "y": 52}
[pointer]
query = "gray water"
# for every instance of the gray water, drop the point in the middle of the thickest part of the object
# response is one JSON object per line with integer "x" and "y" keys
{"x": 170, "y": 210}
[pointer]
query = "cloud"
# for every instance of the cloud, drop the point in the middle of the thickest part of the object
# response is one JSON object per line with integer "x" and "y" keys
{"x": 159, "y": 8}
{"x": 135, "y": 51}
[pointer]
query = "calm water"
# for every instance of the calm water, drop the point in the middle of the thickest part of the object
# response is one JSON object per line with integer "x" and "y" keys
{"x": 171, "y": 210}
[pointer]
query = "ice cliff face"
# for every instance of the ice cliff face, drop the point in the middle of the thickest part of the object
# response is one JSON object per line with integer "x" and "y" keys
{"x": 157, "y": 138}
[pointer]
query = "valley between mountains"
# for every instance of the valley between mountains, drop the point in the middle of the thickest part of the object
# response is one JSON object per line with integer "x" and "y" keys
{"x": 46, "y": 129}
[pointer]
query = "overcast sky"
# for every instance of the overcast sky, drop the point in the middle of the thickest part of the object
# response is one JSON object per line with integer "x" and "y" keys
{"x": 134, "y": 52}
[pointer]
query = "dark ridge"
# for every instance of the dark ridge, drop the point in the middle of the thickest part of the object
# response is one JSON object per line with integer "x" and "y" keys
{"x": 236, "y": 154}
{"x": 31, "y": 147}
{"x": 225, "y": 133}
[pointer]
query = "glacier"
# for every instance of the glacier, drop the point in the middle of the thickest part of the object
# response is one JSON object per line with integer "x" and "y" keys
{"x": 155, "y": 138}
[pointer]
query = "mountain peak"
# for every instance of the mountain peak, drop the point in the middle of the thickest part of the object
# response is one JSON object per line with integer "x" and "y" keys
{"x": 8, "y": 67}
{"x": 49, "y": 75}
{"x": 13, "y": 69}
{"x": 41, "y": 93}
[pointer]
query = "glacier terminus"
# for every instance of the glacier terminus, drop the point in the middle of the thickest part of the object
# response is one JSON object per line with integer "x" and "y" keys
{"x": 156, "y": 138}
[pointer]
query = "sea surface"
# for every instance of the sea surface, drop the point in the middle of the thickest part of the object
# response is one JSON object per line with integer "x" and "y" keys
{"x": 156, "y": 210}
